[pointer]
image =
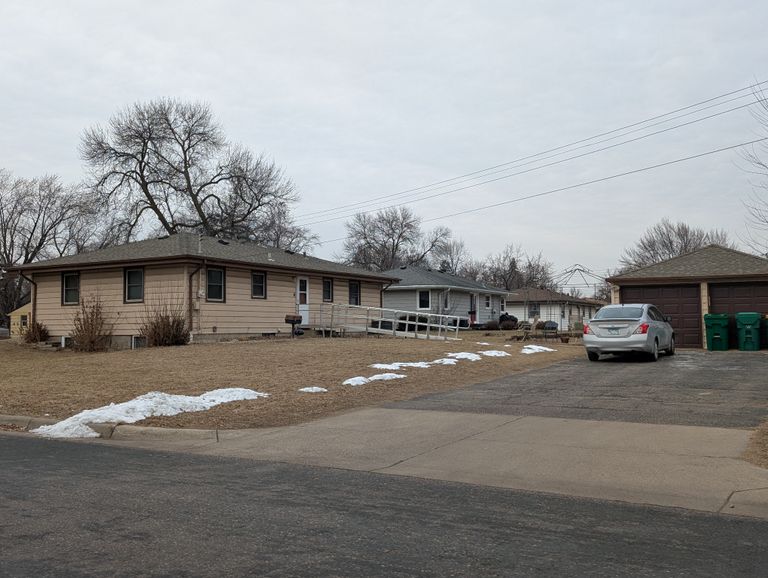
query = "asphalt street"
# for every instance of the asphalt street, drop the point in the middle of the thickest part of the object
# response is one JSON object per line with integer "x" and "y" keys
{"x": 725, "y": 389}
{"x": 80, "y": 509}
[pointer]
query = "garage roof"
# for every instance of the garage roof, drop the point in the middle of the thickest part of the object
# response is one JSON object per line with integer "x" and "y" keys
{"x": 712, "y": 261}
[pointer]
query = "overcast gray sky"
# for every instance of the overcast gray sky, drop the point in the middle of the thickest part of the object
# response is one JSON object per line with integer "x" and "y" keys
{"x": 362, "y": 99}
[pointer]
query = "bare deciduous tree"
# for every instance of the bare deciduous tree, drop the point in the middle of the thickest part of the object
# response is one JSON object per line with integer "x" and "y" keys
{"x": 451, "y": 256}
{"x": 35, "y": 218}
{"x": 666, "y": 239}
{"x": 169, "y": 162}
{"x": 757, "y": 156}
{"x": 390, "y": 238}
{"x": 512, "y": 268}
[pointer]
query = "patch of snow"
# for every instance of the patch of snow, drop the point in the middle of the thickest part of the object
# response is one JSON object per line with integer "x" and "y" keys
{"x": 528, "y": 349}
{"x": 313, "y": 390}
{"x": 386, "y": 376}
{"x": 445, "y": 361}
{"x": 483, "y": 343}
{"x": 398, "y": 365}
{"x": 465, "y": 355}
{"x": 494, "y": 353}
{"x": 150, "y": 404}
{"x": 507, "y": 346}
{"x": 355, "y": 381}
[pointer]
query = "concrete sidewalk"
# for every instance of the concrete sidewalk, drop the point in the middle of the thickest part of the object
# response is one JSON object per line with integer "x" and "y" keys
{"x": 667, "y": 465}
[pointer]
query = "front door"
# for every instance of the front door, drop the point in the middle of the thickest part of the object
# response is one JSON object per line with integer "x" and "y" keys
{"x": 302, "y": 299}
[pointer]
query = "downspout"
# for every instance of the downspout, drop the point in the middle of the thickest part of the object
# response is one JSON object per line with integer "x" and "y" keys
{"x": 190, "y": 311}
{"x": 34, "y": 295}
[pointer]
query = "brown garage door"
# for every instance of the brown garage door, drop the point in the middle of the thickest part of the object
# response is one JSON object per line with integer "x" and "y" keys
{"x": 732, "y": 298}
{"x": 681, "y": 302}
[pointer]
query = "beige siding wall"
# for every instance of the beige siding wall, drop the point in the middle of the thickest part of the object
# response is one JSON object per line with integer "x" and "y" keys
{"x": 162, "y": 285}
{"x": 241, "y": 314}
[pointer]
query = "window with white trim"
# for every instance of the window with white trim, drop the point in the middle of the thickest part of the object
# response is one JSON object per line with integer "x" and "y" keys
{"x": 424, "y": 299}
{"x": 487, "y": 301}
{"x": 534, "y": 309}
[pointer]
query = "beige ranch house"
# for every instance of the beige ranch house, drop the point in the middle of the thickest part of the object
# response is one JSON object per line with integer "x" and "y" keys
{"x": 226, "y": 289}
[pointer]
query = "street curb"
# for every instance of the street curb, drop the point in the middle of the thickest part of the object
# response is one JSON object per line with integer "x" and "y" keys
{"x": 116, "y": 431}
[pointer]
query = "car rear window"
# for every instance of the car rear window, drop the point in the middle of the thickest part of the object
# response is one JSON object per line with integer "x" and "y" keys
{"x": 619, "y": 312}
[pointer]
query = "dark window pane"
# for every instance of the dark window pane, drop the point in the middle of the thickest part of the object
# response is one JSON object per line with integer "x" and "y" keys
{"x": 354, "y": 293}
{"x": 423, "y": 299}
{"x": 327, "y": 289}
{"x": 215, "y": 285}
{"x": 258, "y": 285}
{"x": 134, "y": 285}
{"x": 71, "y": 283}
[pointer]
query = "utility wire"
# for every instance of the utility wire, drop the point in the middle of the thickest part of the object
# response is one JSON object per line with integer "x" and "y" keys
{"x": 583, "y": 183}
{"x": 532, "y": 169}
{"x": 558, "y": 148}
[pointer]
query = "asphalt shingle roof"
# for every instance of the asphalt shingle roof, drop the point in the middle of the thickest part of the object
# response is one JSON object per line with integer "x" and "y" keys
{"x": 193, "y": 246}
{"x": 536, "y": 295}
{"x": 412, "y": 276}
{"x": 708, "y": 262}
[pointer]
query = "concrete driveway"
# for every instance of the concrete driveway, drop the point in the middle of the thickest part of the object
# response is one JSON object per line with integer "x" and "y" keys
{"x": 722, "y": 389}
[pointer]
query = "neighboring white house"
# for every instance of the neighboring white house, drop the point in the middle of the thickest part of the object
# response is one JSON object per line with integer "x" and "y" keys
{"x": 531, "y": 304}
{"x": 430, "y": 291}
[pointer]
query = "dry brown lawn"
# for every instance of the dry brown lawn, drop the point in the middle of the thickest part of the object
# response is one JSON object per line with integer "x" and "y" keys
{"x": 61, "y": 383}
{"x": 757, "y": 450}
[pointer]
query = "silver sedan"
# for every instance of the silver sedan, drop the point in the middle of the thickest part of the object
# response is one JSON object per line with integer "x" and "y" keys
{"x": 629, "y": 328}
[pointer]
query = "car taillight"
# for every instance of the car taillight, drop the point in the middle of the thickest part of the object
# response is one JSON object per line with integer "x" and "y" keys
{"x": 642, "y": 329}
{"x": 587, "y": 330}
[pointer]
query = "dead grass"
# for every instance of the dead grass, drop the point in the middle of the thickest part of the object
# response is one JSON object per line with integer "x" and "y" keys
{"x": 757, "y": 450}
{"x": 62, "y": 383}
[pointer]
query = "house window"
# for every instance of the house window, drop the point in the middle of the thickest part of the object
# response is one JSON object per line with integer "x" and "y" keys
{"x": 446, "y": 301}
{"x": 215, "y": 289}
{"x": 424, "y": 300}
{"x": 23, "y": 321}
{"x": 487, "y": 301}
{"x": 327, "y": 289}
{"x": 258, "y": 285}
{"x": 534, "y": 309}
{"x": 133, "y": 280}
{"x": 70, "y": 288}
{"x": 354, "y": 292}
{"x": 503, "y": 305}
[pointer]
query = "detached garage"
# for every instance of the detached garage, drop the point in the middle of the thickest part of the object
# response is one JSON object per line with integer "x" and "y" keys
{"x": 711, "y": 280}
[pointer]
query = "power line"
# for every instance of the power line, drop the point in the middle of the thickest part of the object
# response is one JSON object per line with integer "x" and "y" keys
{"x": 558, "y": 148}
{"x": 583, "y": 183}
{"x": 546, "y": 165}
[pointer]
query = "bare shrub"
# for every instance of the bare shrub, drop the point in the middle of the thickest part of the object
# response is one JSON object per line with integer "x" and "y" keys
{"x": 164, "y": 325}
{"x": 90, "y": 330}
{"x": 540, "y": 325}
{"x": 36, "y": 333}
{"x": 508, "y": 324}
{"x": 492, "y": 325}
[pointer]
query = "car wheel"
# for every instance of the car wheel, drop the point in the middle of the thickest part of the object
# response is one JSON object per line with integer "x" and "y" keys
{"x": 654, "y": 355}
{"x": 593, "y": 356}
{"x": 671, "y": 350}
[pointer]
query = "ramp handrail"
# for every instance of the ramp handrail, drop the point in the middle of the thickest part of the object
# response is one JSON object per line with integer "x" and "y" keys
{"x": 424, "y": 325}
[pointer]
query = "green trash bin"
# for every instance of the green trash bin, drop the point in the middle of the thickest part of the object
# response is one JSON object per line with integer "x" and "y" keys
{"x": 748, "y": 327}
{"x": 717, "y": 331}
